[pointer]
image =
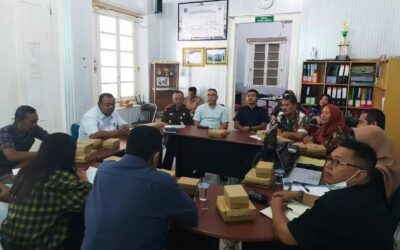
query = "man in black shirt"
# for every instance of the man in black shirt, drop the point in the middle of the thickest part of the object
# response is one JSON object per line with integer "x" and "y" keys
{"x": 251, "y": 117}
{"x": 177, "y": 113}
{"x": 354, "y": 215}
{"x": 16, "y": 139}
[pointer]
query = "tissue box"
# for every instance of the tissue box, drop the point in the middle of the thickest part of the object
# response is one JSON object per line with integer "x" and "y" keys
{"x": 251, "y": 178}
{"x": 264, "y": 169}
{"x": 97, "y": 143}
{"x": 217, "y": 133}
{"x": 86, "y": 158}
{"x": 189, "y": 185}
{"x": 236, "y": 196}
{"x": 234, "y": 215}
{"x": 112, "y": 143}
{"x": 83, "y": 149}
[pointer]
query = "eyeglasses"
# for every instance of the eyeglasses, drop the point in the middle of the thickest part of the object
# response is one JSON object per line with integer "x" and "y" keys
{"x": 337, "y": 163}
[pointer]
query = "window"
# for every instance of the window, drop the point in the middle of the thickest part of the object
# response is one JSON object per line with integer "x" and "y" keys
{"x": 116, "y": 56}
{"x": 265, "y": 63}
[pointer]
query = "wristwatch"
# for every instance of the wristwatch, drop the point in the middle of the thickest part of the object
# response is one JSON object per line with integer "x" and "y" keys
{"x": 300, "y": 196}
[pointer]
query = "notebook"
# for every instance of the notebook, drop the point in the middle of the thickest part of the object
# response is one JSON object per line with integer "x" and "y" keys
{"x": 295, "y": 209}
{"x": 306, "y": 176}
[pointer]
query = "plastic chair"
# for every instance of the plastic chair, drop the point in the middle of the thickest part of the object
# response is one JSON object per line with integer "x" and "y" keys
{"x": 147, "y": 114}
{"x": 75, "y": 131}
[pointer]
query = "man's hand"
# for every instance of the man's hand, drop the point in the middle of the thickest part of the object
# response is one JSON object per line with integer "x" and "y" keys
{"x": 278, "y": 204}
{"x": 82, "y": 175}
{"x": 4, "y": 193}
{"x": 308, "y": 139}
{"x": 286, "y": 196}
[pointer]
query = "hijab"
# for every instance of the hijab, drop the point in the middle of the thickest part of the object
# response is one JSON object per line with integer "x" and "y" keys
{"x": 388, "y": 159}
{"x": 335, "y": 121}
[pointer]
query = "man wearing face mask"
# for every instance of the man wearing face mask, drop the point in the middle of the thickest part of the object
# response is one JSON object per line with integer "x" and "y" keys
{"x": 132, "y": 204}
{"x": 353, "y": 215}
{"x": 102, "y": 121}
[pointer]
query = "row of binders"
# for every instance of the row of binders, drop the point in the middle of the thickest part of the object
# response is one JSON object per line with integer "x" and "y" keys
{"x": 338, "y": 94}
{"x": 337, "y": 73}
{"x": 310, "y": 72}
{"x": 360, "y": 97}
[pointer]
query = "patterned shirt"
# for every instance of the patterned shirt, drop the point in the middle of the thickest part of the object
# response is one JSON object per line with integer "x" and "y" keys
{"x": 297, "y": 123}
{"x": 40, "y": 221}
{"x": 175, "y": 116}
{"x": 11, "y": 138}
{"x": 335, "y": 138}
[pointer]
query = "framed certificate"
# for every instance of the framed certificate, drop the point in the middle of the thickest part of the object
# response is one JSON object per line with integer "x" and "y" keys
{"x": 203, "y": 20}
{"x": 193, "y": 56}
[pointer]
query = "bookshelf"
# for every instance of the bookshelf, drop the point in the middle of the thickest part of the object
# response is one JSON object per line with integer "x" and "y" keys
{"x": 349, "y": 83}
{"x": 164, "y": 81}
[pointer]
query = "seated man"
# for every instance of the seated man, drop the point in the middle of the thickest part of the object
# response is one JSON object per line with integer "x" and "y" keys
{"x": 211, "y": 114}
{"x": 16, "y": 139}
{"x": 177, "y": 113}
{"x": 193, "y": 101}
{"x": 102, "y": 121}
{"x": 251, "y": 117}
{"x": 133, "y": 201}
{"x": 292, "y": 123}
{"x": 354, "y": 215}
{"x": 372, "y": 117}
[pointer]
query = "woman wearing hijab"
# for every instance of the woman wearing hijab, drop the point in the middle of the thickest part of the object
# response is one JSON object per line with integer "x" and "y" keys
{"x": 388, "y": 159}
{"x": 333, "y": 128}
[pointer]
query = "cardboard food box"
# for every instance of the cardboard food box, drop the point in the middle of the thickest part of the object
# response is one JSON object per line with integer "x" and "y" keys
{"x": 112, "y": 143}
{"x": 189, "y": 185}
{"x": 251, "y": 178}
{"x": 283, "y": 139}
{"x": 170, "y": 172}
{"x": 86, "y": 158}
{"x": 112, "y": 158}
{"x": 262, "y": 134}
{"x": 302, "y": 147}
{"x": 97, "y": 143}
{"x": 83, "y": 149}
{"x": 264, "y": 169}
{"x": 236, "y": 196}
{"x": 217, "y": 133}
{"x": 315, "y": 149}
{"x": 233, "y": 215}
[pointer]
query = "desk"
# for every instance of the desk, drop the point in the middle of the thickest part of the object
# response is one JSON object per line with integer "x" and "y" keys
{"x": 231, "y": 156}
{"x": 211, "y": 224}
{"x": 103, "y": 153}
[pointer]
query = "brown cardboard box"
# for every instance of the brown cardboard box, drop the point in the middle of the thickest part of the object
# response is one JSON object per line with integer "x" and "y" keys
{"x": 302, "y": 147}
{"x": 217, "y": 133}
{"x": 97, "y": 143}
{"x": 86, "y": 158}
{"x": 315, "y": 149}
{"x": 234, "y": 215}
{"x": 262, "y": 134}
{"x": 112, "y": 143}
{"x": 170, "y": 172}
{"x": 112, "y": 158}
{"x": 251, "y": 178}
{"x": 236, "y": 196}
{"x": 83, "y": 149}
{"x": 264, "y": 169}
{"x": 189, "y": 185}
{"x": 283, "y": 139}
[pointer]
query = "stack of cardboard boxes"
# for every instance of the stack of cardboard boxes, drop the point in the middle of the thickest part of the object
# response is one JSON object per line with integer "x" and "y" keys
{"x": 261, "y": 175}
{"x": 235, "y": 205}
{"x": 85, "y": 152}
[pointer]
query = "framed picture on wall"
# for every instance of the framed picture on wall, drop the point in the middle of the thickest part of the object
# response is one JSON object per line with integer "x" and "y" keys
{"x": 206, "y": 20}
{"x": 162, "y": 81}
{"x": 216, "y": 56}
{"x": 193, "y": 56}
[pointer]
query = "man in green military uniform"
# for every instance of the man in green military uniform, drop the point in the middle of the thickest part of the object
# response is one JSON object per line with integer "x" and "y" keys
{"x": 177, "y": 113}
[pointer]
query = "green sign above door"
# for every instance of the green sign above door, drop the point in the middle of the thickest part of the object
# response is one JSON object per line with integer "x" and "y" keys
{"x": 264, "y": 19}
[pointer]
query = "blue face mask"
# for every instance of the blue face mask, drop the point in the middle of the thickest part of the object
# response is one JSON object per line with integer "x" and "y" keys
{"x": 341, "y": 185}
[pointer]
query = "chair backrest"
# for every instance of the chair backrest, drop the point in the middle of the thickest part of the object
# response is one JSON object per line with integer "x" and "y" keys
{"x": 395, "y": 208}
{"x": 148, "y": 113}
{"x": 75, "y": 131}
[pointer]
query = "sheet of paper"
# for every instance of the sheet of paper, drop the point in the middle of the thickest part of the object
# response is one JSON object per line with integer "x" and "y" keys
{"x": 91, "y": 173}
{"x": 313, "y": 190}
{"x": 175, "y": 126}
{"x": 15, "y": 171}
{"x": 296, "y": 209}
{"x": 257, "y": 137}
{"x": 306, "y": 176}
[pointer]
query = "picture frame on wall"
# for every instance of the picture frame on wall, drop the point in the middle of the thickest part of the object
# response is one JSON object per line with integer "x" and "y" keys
{"x": 193, "y": 56}
{"x": 162, "y": 81}
{"x": 206, "y": 20}
{"x": 216, "y": 56}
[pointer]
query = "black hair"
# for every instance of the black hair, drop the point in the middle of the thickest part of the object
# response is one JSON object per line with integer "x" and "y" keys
{"x": 253, "y": 91}
{"x": 363, "y": 154}
{"x": 376, "y": 115}
{"x": 57, "y": 152}
{"x": 212, "y": 90}
{"x": 143, "y": 142}
{"x": 22, "y": 111}
{"x": 103, "y": 96}
{"x": 178, "y": 92}
{"x": 290, "y": 98}
{"x": 329, "y": 97}
{"x": 288, "y": 92}
{"x": 193, "y": 89}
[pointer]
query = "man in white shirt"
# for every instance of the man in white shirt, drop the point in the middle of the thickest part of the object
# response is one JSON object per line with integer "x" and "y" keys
{"x": 211, "y": 114}
{"x": 102, "y": 121}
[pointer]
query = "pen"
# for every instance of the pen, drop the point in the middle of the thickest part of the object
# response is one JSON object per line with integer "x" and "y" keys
{"x": 306, "y": 188}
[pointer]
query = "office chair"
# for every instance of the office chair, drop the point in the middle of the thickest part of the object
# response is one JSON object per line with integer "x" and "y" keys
{"x": 75, "y": 131}
{"x": 147, "y": 114}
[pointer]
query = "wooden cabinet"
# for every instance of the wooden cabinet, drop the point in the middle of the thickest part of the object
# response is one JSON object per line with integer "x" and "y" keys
{"x": 349, "y": 83}
{"x": 164, "y": 81}
{"x": 387, "y": 97}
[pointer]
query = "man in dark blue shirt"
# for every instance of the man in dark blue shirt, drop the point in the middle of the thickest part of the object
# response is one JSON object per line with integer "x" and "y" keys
{"x": 16, "y": 139}
{"x": 131, "y": 203}
{"x": 251, "y": 117}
